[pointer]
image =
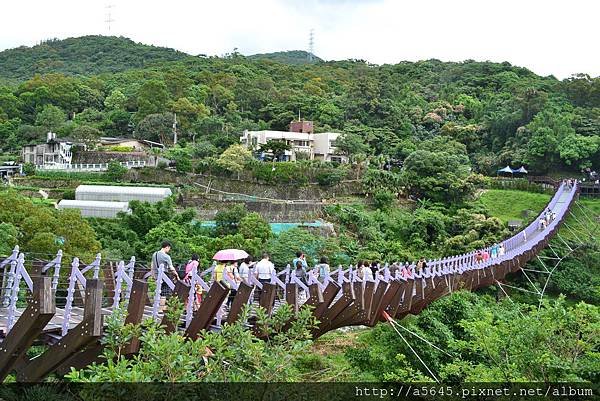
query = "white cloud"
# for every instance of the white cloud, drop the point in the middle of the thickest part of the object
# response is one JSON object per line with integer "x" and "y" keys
{"x": 549, "y": 37}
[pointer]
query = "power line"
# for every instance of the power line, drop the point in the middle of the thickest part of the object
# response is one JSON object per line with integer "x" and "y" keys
{"x": 311, "y": 45}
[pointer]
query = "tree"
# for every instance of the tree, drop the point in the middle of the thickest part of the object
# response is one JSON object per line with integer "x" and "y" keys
{"x": 441, "y": 176}
{"x": 116, "y": 171}
{"x": 253, "y": 225}
{"x": 351, "y": 144}
{"x": 182, "y": 157}
{"x": 145, "y": 216}
{"x": 234, "y": 159}
{"x": 579, "y": 149}
{"x": 115, "y": 101}
{"x": 51, "y": 118}
{"x": 228, "y": 221}
{"x": 278, "y": 148}
{"x": 152, "y": 98}
{"x": 8, "y": 238}
{"x": 86, "y": 134}
{"x": 231, "y": 355}
{"x": 188, "y": 113}
{"x": 156, "y": 127}
{"x": 548, "y": 129}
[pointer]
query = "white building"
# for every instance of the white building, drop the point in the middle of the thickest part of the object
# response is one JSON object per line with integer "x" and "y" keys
{"x": 88, "y": 208}
{"x": 53, "y": 152}
{"x": 109, "y": 193}
{"x": 319, "y": 146}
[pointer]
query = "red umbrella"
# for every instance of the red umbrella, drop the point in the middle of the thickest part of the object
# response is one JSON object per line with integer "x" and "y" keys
{"x": 230, "y": 254}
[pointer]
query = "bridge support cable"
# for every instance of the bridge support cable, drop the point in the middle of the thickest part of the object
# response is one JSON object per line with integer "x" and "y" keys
{"x": 574, "y": 233}
{"x": 387, "y": 317}
{"x": 509, "y": 298}
{"x": 535, "y": 271}
{"x": 583, "y": 225}
{"x": 531, "y": 282}
{"x": 577, "y": 233}
{"x": 592, "y": 222}
{"x": 519, "y": 288}
{"x": 393, "y": 322}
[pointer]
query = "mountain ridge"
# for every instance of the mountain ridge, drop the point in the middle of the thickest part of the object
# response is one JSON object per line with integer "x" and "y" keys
{"x": 96, "y": 54}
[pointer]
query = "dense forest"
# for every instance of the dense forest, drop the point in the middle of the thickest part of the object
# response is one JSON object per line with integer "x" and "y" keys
{"x": 500, "y": 113}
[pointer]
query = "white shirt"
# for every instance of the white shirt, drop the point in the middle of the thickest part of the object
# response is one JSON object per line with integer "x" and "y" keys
{"x": 264, "y": 268}
{"x": 244, "y": 270}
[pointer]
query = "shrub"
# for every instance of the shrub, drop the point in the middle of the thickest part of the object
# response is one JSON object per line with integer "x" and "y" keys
{"x": 383, "y": 199}
{"x": 115, "y": 171}
{"x": 29, "y": 169}
{"x": 68, "y": 194}
{"x": 330, "y": 177}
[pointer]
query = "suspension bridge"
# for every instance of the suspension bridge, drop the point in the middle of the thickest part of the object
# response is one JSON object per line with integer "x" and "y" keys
{"x": 67, "y": 312}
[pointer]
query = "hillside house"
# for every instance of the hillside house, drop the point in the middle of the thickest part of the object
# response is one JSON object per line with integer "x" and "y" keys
{"x": 54, "y": 151}
{"x": 301, "y": 138}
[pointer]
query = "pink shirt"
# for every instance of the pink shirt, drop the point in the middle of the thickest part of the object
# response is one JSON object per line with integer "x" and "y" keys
{"x": 190, "y": 266}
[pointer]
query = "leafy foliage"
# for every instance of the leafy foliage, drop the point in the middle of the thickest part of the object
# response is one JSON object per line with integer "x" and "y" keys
{"x": 485, "y": 341}
{"x": 234, "y": 354}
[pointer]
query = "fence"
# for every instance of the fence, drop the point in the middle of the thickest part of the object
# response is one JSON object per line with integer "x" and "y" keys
{"x": 89, "y": 167}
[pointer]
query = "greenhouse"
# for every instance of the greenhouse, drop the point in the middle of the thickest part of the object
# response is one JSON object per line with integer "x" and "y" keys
{"x": 101, "y": 209}
{"x": 121, "y": 194}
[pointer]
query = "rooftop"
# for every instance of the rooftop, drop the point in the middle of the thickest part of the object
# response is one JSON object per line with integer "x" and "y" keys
{"x": 110, "y": 189}
{"x": 93, "y": 204}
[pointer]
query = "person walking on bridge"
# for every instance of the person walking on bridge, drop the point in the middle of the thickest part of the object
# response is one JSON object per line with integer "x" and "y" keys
{"x": 162, "y": 258}
{"x": 300, "y": 257}
{"x": 323, "y": 269}
{"x": 264, "y": 268}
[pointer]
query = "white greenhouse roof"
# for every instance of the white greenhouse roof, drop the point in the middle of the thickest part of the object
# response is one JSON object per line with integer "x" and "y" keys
{"x": 109, "y": 189}
{"x": 84, "y": 204}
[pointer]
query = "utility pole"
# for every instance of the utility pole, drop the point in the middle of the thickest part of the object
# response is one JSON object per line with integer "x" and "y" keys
{"x": 109, "y": 20}
{"x": 311, "y": 45}
{"x": 174, "y": 129}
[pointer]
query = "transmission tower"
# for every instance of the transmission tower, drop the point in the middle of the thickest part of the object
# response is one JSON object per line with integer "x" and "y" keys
{"x": 109, "y": 19}
{"x": 311, "y": 45}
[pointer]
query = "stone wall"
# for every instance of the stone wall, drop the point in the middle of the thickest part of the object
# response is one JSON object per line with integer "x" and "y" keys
{"x": 272, "y": 212}
{"x": 216, "y": 184}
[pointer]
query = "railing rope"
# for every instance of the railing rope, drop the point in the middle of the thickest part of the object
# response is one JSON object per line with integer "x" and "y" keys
{"x": 7, "y": 279}
{"x": 20, "y": 272}
{"x": 77, "y": 276}
{"x": 56, "y": 263}
{"x": 161, "y": 278}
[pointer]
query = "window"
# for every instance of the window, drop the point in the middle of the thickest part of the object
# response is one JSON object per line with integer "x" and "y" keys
{"x": 254, "y": 141}
{"x": 336, "y": 159}
{"x": 302, "y": 143}
{"x": 332, "y": 143}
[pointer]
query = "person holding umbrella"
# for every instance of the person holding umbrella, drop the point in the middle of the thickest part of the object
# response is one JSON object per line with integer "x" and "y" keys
{"x": 227, "y": 265}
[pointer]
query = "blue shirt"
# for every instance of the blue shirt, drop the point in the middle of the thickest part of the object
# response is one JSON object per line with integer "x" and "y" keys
{"x": 295, "y": 263}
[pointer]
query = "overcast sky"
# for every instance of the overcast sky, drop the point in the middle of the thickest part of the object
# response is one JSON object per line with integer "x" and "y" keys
{"x": 546, "y": 36}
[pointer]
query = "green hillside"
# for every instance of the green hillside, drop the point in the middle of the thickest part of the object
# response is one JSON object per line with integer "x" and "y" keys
{"x": 294, "y": 57}
{"x": 87, "y": 55}
{"x": 481, "y": 115}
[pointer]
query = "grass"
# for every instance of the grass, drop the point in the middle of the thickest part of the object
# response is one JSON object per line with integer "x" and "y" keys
{"x": 583, "y": 223}
{"x": 507, "y": 205}
{"x": 511, "y": 204}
